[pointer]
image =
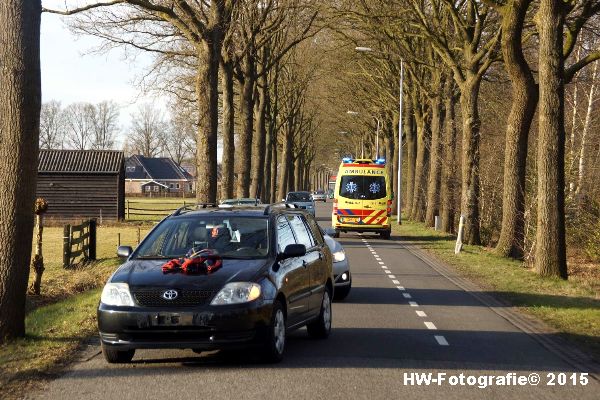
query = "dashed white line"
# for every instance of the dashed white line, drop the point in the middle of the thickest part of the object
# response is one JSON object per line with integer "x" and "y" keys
{"x": 381, "y": 262}
{"x": 392, "y": 276}
{"x": 441, "y": 340}
{"x": 400, "y": 287}
{"x": 407, "y": 295}
{"x": 387, "y": 271}
{"x": 395, "y": 282}
{"x": 421, "y": 313}
{"x": 384, "y": 267}
{"x": 430, "y": 325}
{"x": 413, "y": 304}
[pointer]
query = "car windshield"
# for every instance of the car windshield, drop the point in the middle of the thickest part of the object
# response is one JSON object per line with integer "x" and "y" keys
{"x": 230, "y": 236}
{"x": 298, "y": 196}
{"x": 363, "y": 187}
{"x": 240, "y": 201}
{"x": 319, "y": 192}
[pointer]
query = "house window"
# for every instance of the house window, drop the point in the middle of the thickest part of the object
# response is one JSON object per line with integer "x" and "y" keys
{"x": 148, "y": 188}
{"x": 171, "y": 186}
{"x": 156, "y": 188}
{"x": 130, "y": 169}
{"x": 177, "y": 186}
{"x": 191, "y": 187}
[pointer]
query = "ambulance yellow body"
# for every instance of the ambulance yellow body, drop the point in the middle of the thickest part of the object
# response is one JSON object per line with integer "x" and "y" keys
{"x": 362, "y": 197}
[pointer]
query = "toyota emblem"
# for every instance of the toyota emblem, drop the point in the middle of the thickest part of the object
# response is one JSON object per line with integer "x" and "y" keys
{"x": 170, "y": 294}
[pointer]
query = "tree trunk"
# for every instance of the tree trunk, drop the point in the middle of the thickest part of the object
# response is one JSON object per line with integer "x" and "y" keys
{"x": 524, "y": 101}
{"x": 297, "y": 172}
{"x": 274, "y": 169}
{"x": 258, "y": 159}
{"x": 38, "y": 259}
{"x": 420, "y": 182}
{"x": 244, "y": 150}
{"x": 550, "y": 250}
{"x": 207, "y": 92}
{"x": 435, "y": 160}
{"x": 581, "y": 170}
{"x": 395, "y": 145}
{"x": 266, "y": 195}
{"x": 228, "y": 162}
{"x": 469, "y": 97}
{"x": 448, "y": 183}
{"x": 20, "y": 103}
{"x": 411, "y": 155}
{"x": 286, "y": 161}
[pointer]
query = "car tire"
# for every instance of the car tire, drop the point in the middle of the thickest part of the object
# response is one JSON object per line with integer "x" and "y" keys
{"x": 113, "y": 356}
{"x": 342, "y": 292}
{"x": 336, "y": 234}
{"x": 321, "y": 328}
{"x": 274, "y": 346}
{"x": 386, "y": 235}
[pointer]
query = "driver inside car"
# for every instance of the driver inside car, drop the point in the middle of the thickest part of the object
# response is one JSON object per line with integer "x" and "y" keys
{"x": 220, "y": 239}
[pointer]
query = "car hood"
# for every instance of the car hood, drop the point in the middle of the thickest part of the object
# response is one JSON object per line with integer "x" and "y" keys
{"x": 149, "y": 273}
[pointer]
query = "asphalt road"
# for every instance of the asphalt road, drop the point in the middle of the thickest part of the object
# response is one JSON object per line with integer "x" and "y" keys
{"x": 402, "y": 317}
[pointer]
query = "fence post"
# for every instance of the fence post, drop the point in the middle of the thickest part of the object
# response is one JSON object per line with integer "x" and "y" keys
{"x": 66, "y": 246}
{"x": 138, "y": 235}
{"x": 436, "y": 225}
{"x": 119, "y": 239}
{"x": 459, "y": 237}
{"x": 127, "y": 209}
{"x": 92, "y": 240}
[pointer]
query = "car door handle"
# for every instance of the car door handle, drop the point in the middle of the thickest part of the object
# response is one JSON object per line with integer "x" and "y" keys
{"x": 320, "y": 256}
{"x": 304, "y": 263}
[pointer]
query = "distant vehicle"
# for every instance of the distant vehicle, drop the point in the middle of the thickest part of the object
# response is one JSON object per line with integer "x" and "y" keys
{"x": 241, "y": 202}
{"x": 319, "y": 195}
{"x": 219, "y": 278}
{"x": 341, "y": 267}
{"x": 302, "y": 200}
{"x": 363, "y": 198}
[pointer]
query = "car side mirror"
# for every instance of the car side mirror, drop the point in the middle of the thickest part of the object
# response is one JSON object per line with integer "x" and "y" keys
{"x": 124, "y": 251}
{"x": 293, "y": 250}
{"x": 283, "y": 200}
{"x": 329, "y": 231}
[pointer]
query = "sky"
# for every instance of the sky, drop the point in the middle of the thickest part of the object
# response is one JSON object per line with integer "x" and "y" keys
{"x": 70, "y": 74}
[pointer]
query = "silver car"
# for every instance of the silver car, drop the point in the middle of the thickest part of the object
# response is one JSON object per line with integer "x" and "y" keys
{"x": 319, "y": 195}
{"x": 341, "y": 266}
{"x": 301, "y": 200}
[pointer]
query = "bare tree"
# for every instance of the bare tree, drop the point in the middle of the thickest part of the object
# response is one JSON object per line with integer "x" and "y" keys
{"x": 146, "y": 136}
{"x": 105, "y": 124}
{"x": 79, "y": 125}
{"x": 52, "y": 125}
{"x": 20, "y": 103}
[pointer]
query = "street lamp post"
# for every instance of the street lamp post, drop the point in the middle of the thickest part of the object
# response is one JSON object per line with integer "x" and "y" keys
{"x": 399, "y": 194}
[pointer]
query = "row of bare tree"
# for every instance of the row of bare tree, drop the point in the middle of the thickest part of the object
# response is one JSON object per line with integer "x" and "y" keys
{"x": 448, "y": 50}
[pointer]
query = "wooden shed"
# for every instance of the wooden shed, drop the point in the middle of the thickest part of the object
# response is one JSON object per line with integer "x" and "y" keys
{"x": 82, "y": 183}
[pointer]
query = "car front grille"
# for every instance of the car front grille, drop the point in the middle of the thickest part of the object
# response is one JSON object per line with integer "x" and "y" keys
{"x": 153, "y": 297}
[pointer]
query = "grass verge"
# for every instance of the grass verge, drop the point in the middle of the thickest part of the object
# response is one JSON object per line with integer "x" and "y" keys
{"x": 572, "y": 306}
{"x": 54, "y": 333}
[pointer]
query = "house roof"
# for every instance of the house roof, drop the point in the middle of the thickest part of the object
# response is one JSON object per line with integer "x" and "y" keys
{"x": 154, "y": 183}
{"x": 156, "y": 169}
{"x": 81, "y": 161}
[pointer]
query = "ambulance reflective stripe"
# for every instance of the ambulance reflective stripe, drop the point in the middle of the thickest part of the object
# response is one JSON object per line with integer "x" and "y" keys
{"x": 374, "y": 217}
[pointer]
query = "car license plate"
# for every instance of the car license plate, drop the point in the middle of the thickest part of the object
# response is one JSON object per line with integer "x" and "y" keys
{"x": 168, "y": 319}
{"x": 350, "y": 220}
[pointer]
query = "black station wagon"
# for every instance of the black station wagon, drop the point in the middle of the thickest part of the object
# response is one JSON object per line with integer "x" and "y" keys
{"x": 207, "y": 278}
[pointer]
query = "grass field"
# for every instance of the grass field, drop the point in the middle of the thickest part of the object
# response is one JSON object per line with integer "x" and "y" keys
{"x": 572, "y": 307}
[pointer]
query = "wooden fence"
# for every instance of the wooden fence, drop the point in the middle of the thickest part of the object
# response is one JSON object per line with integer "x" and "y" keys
{"x": 141, "y": 210}
{"x": 79, "y": 243}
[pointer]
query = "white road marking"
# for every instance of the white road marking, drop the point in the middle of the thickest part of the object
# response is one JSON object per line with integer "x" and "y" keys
{"x": 387, "y": 271}
{"x": 381, "y": 263}
{"x": 391, "y": 276}
{"x": 430, "y": 325}
{"x": 400, "y": 287}
{"x": 395, "y": 282}
{"x": 441, "y": 340}
{"x": 407, "y": 295}
{"x": 384, "y": 267}
{"x": 378, "y": 258}
{"x": 413, "y": 304}
{"x": 421, "y": 313}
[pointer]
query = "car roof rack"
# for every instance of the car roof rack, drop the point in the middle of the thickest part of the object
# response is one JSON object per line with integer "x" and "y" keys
{"x": 192, "y": 207}
{"x": 282, "y": 204}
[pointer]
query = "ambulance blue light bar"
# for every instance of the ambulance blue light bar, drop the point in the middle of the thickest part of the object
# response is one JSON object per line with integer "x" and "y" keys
{"x": 380, "y": 161}
{"x": 347, "y": 160}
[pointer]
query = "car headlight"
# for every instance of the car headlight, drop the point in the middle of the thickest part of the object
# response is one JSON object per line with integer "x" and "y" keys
{"x": 339, "y": 256}
{"x": 116, "y": 294}
{"x": 236, "y": 293}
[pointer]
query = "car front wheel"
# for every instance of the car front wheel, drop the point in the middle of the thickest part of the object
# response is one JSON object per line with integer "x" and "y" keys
{"x": 322, "y": 326}
{"x": 275, "y": 343}
{"x": 113, "y": 356}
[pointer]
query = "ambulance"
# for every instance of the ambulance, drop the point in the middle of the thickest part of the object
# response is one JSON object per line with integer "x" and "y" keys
{"x": 362, "y": 198}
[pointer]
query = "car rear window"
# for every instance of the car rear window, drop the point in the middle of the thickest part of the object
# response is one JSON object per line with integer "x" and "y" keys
{"x": 230, "y": 236}
{"x": 298, "y": 196}
{"x": 363, "y": 187}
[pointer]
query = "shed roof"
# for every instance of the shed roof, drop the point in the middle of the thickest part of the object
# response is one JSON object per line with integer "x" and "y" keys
{"x": 81, "y": 161}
